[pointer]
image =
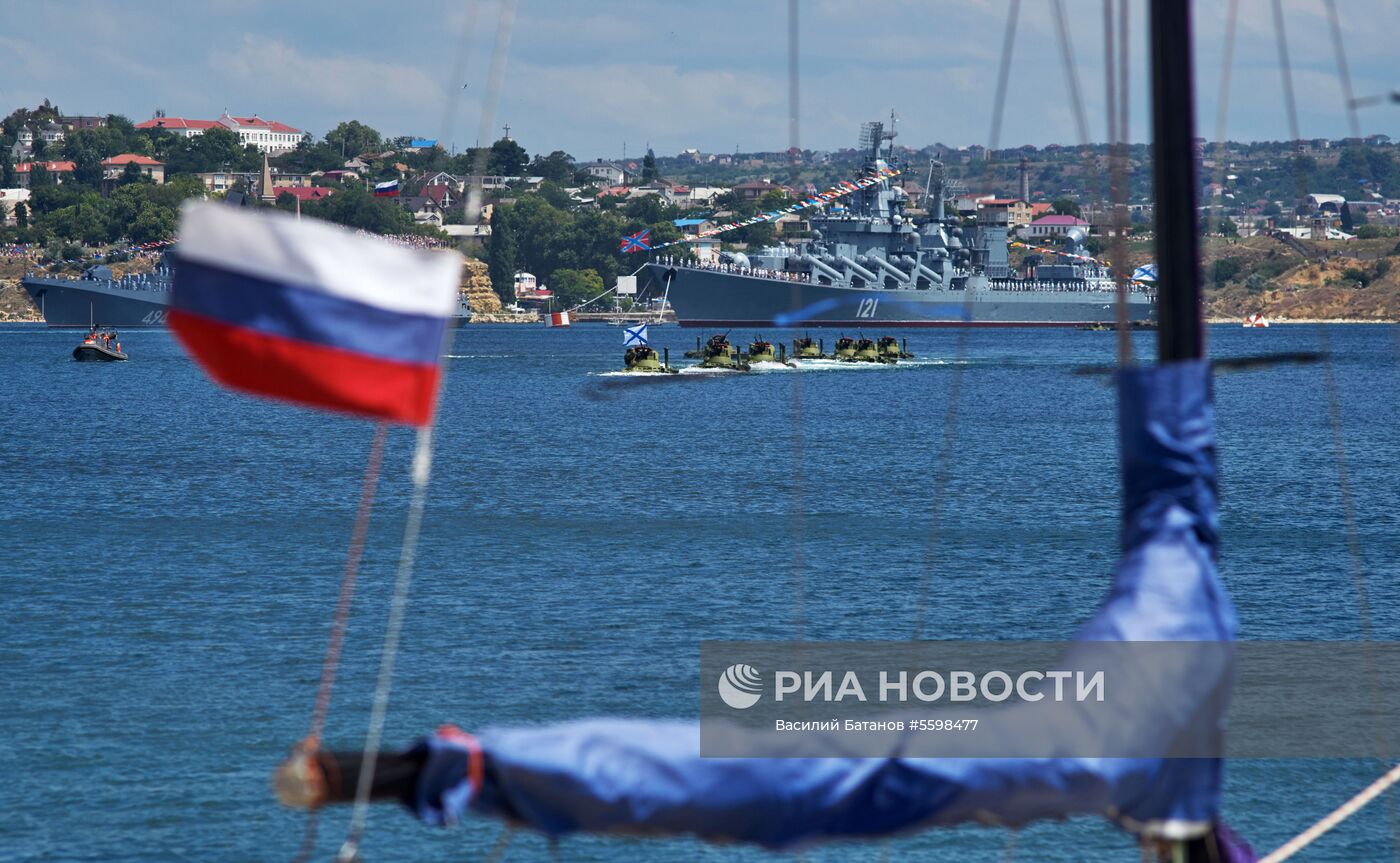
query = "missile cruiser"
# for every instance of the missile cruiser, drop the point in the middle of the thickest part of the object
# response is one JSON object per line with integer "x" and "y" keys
{"x": 867, "y": 262}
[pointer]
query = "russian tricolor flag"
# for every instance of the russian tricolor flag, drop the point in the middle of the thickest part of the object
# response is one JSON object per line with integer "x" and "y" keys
{"x": 309, "y": 312}
{"x": 386, "y": 190}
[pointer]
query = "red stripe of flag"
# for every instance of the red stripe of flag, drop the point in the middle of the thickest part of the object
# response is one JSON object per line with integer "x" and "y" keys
{"x": 331, "y": 378}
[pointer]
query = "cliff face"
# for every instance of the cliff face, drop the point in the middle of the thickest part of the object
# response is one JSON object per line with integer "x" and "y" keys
{"x": 1341, "y": 288}
{"x": 476, "y": 287}
{"x": 14, "y": 302}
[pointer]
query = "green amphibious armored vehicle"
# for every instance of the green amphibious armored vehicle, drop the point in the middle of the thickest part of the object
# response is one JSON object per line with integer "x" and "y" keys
{"x": 861, "y": 350}
{"x": 845, "y": 349}
{"x": 808, "y": 348}
{"x": 717, "y": 353}
{"x": 643, "y": 360}
{"x": 763, "y": 351}
{"x": 892, "y": 349}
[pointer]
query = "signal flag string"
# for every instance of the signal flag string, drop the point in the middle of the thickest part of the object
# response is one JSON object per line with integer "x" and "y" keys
{"x": 845, "y": 187}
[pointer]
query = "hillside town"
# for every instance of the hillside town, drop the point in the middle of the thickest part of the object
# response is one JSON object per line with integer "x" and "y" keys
{"x": 76, "y": 188}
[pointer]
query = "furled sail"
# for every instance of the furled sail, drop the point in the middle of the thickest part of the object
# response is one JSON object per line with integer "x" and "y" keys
{"x": 639, "y": 777}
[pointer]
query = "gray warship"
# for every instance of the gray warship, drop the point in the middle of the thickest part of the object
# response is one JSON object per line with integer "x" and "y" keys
{"x": 97, "y": 297}
{"x": 869, "y": 263}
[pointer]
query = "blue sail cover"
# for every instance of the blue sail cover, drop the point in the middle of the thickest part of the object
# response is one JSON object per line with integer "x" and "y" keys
{"x": 640, "y": 777}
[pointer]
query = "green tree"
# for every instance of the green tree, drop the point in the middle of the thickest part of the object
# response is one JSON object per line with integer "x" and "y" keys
{"x": 132, "y": 173}
{"x": 87, "y": 166}
{"x": 649, "y": 166}
{"x": 1358, "y": 275}
{"x": 572, "y": 287}
{"x": 21, "y": 215}
{"x": 507, "y": 159}
{"x": 1065, "y": 207}
{"x": 216, "y": 150}
{"x": 7, "y": 168}
{"x": 356, "y": 208}
{"x": 557, "y": 167}
{"x": 153, "y": 223}
{"x": 352, "y": 138}
{"x": 503, "y": 252}
{"x": 649, "y": 209}
{"x": 39, "y": 177}
{"x": 1226, "y": 269}
{"x": 555, "y": 195}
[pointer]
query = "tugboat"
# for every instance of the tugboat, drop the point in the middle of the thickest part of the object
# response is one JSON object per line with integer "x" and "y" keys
{"x": 808, "y": 348}
{"x": 719, "y": 354}
{"x": 99, "y": 346}
{"x": 643, "y": 360}
{"x": 893, "y": 350}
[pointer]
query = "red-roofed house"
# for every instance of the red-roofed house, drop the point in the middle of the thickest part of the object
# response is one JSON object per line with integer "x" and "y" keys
{"x": 1018, "y": 212}
{"x": 1053, "y": 226}
{"x": 306, "y": 193}
{"x": 113, "y": 168}
{"x": 441, "y": 194}
{"x": 59, "y": 171}
{"x": 178, "y": 125}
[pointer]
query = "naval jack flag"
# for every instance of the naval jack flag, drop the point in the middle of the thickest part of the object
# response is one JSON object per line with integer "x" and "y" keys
{"x": 633, "y": 336}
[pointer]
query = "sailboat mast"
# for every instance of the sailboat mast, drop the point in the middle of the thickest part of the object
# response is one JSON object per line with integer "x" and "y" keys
{"x": 1180, "y": 334}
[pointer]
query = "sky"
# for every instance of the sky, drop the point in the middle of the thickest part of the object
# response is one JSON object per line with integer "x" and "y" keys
{"x": 591, "y": 78}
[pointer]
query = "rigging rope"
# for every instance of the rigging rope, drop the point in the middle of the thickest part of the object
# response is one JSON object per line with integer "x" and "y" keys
{"x": 422, "y": 456}
{"x": 1337, "y": 816}
{"x": 422, "y": 470}
{"x": 1334, "y": 418}
{"x": 797, "y": 519}
{"x": 329, "y": 666}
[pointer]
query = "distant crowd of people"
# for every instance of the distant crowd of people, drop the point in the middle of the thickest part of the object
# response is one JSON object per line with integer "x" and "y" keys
{"x": 761, "y": 272}
{"x": 416, "y": 241}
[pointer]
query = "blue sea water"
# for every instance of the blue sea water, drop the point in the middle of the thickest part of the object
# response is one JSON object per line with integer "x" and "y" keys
{"x": 170, "y": 552}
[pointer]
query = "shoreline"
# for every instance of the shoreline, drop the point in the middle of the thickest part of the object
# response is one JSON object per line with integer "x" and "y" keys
{"x": 1282, "y": 321}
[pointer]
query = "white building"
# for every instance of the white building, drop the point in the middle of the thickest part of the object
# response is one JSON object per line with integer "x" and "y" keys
{"x": 607, "y": 172}
{"x": 8, "y": 199}
{"x": 268, "y": 136}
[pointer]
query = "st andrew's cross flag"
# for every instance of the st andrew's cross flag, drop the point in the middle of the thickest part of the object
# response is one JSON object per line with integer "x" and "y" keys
{"x": 308, "y": 312}
{"x": 638, "y": 242}
{"x": 635, "y": 336}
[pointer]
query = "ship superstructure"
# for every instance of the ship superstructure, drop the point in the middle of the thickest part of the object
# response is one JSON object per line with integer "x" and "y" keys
{"x": 869, "y": 260}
